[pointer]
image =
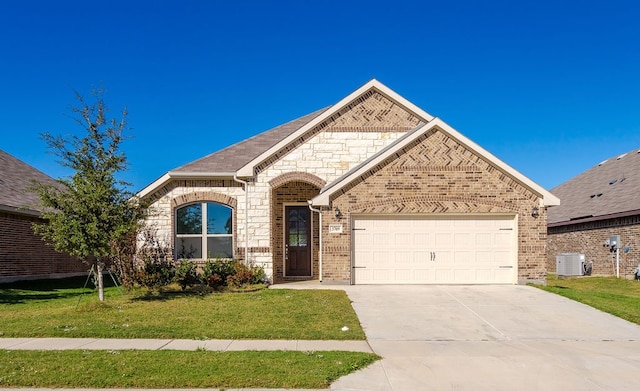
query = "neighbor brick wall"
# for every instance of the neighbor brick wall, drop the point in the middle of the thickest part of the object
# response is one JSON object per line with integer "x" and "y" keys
{"x": 23, "y": 254}
{"x": 588, "y": 239}
{"x": 435, "y": 174}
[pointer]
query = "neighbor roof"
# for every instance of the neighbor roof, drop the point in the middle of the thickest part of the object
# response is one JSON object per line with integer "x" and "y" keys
{"x": 605, "y": 190}
{"x": 16, "y": 177}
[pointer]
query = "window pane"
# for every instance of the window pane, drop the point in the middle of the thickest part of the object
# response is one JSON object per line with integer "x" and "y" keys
{"x": 218, "y": 219}
{"x": 189, "y": 247}
{"x": 293, "y": 239}
{"x": 302, "y": 240}
{"x": 220, "y": 247}
{"x": 189, "y": 219}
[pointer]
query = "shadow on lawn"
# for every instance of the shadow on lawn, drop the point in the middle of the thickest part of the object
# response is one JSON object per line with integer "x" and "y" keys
{"x": 165, "y": 295}
{"x": 23, "y": 291}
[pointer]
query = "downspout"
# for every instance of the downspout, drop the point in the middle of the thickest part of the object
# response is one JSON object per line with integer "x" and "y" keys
{"x": 246, "y": 217}
{"x": 319, "y": 239}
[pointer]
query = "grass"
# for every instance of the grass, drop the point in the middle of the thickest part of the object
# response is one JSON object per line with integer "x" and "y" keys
{"x": 619, "y": 297}
{"x": 48, "y": 309}
{"x": 171, "y": 369}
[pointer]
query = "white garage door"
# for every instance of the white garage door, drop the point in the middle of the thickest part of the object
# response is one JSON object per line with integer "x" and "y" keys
{"x": 434, "y": 250}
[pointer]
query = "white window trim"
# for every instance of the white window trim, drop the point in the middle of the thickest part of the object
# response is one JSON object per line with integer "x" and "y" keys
{"x": 203, "y": 235}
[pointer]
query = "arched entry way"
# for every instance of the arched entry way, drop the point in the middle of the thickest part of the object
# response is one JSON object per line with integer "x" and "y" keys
{"x": 295, "y": 231}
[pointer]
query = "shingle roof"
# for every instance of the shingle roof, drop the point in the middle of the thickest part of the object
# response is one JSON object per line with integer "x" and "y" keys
{"x": 608, "y": 188}
{"x": 237, "y": 155}
{"x": 16, "y": 177}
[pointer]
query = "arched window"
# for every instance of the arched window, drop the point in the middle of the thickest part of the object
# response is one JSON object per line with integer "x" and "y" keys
{"x": 204, "y": 230}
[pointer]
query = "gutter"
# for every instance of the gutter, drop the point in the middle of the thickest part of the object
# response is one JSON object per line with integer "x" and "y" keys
{"x": 310, "y": 202}
{"x": 246, "y": 217}
{"x": 589, "y": 219}
{"x": 20, "y": 211}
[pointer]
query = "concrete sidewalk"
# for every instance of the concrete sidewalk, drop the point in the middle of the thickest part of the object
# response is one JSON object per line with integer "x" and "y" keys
{"x": 221, "y": 345}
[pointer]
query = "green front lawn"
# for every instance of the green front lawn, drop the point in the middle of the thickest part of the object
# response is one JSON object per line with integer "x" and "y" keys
{"x": 48, "y": 309}
{"x": 175, "y": 369}
{"x": 619, "y": 297}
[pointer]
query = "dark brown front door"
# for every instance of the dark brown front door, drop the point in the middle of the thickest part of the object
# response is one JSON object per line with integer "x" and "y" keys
{"x": 297, "y": 242}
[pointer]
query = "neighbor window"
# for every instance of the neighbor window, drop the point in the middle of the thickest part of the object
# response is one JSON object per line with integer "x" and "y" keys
{"x": 204, "y": 230}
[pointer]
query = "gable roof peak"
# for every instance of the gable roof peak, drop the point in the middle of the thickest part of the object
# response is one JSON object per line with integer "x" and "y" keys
{"x": 373, "y": 84}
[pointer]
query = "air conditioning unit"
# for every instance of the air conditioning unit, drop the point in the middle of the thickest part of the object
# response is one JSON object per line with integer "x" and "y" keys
{"x": 570, "y": 264}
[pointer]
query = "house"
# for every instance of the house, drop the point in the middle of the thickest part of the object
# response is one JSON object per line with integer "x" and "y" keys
{"x": 23, "y": 254}
{"x": 371, "y": 190}
{"x": 597, "y": 204}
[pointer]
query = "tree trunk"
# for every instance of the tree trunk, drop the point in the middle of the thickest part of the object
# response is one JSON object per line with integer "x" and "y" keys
{"x": 100, "y": 282}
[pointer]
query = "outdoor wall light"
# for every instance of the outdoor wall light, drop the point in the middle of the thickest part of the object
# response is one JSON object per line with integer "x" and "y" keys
{"x": 338, "y": 213}
{"x": 535, "y": 213}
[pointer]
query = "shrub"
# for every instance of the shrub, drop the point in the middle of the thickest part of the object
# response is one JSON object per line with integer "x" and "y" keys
{"x": 156, "y": 273}
{"x": 155, "y": 267}
{"x": 215, "y": 273}
{"x": 187, "y": 274}
{"x": 245, "y": 275}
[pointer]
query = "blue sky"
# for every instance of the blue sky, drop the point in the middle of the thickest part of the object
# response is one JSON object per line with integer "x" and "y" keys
{"x": 550, "y": 87}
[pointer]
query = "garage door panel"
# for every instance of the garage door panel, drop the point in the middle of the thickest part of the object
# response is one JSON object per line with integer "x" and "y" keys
{"x": 422, "y": 257}
{"x": 463, "y": 258}
{"x": 401, "y": 239}
{"x": 403, "y": 258}
{"x": 443, "y": 250}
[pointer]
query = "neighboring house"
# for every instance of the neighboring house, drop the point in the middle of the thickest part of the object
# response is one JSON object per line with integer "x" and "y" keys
{"x": 403, "y": 198}
{"x": 23, "y": 254}
{"x": 599, "y": 203}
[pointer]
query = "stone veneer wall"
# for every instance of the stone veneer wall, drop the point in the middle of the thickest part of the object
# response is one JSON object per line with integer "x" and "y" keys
{"x": 588, "y": 239}
{"x": 326, "y": 152}
{"x": 435, "y": 174}
{"x": 23, "y": 254}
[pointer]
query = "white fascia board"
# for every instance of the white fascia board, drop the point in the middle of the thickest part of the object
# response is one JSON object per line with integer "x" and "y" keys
{"x": 548, "y": 199}
{"x": 163, "y": 180}
{"x": 153, "y": 186}
{"x": 322, "y": 199}
{"x": 247, "y": 170}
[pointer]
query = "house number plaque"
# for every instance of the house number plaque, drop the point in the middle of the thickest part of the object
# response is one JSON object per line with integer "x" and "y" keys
{"x": 335, "y": 228}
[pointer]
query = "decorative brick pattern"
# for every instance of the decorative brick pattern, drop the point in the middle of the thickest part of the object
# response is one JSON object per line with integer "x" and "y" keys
{"x": 203, "y": 196}
{"x": 588, "y": 239}
{"x": 460, "y": 182}
{"x": 299, "y": 177}
{"x": 24, "y": 255}
{"x": 372, "y": 112}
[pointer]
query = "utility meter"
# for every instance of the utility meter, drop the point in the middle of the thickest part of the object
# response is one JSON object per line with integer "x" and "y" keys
{"x": 614, "y": 242}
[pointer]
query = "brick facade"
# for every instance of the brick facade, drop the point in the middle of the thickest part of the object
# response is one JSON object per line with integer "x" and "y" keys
{"x": 436, "y": 175}
{"x": 588, "y": 239}
{"x": 23, "y": 254}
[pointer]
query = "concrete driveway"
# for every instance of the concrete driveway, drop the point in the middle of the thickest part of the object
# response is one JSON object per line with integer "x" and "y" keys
{"x": 490, "y": 338}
